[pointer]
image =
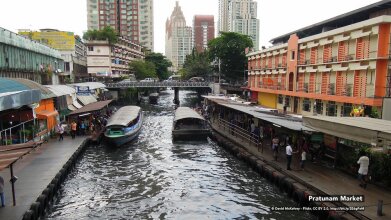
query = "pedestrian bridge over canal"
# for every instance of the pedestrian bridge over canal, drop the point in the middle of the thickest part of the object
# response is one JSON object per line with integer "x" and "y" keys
{"x": 159, "y": 85}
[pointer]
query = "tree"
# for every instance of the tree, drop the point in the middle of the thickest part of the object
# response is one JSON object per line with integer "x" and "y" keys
{"x": 161, "y": 64}
{"x": 230, "y": 49}
{"x": 107, "y": 33}
{"x": 197, "y": 64}
{"x": 143, "y": 69}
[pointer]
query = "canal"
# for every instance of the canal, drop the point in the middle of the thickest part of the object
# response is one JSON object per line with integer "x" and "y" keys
{"x": 156, "y": 179}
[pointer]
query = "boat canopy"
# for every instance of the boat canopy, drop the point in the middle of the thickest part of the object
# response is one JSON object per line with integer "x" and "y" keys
{"x": 186, "y": 112}
{"x": 124, "y": 116}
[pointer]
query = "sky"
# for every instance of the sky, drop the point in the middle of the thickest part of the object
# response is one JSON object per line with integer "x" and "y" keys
{"x": 277, "y": 17}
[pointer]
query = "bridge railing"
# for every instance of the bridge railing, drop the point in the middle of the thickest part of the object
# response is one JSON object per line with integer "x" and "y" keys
{"x": 157, "y": 84}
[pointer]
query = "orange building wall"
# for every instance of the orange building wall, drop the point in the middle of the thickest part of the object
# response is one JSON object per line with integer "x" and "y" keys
{"x": 292, "y": 63}
{"x": 381, "y": 65}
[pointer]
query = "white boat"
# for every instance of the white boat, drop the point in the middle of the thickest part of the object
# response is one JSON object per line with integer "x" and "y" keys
{"x": 124, "y": 126}
{"x": 189, "y": 125}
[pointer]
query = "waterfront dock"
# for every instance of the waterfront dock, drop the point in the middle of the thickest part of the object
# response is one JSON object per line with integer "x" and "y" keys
{"x": 35, "y": 171}
{"x": 317, "y": 178}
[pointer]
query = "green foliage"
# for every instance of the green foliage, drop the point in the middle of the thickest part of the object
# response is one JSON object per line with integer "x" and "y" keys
{"x": 161, "y": 64}
{"x": 197, "y": 64}
{"x": 230, "y": 49}
{"x": 374, "y": 113}
{"x": 143, "y": 69}
{"x": 107, "y": 33}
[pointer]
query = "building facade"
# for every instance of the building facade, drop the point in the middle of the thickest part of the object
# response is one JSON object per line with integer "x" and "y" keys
{"x": 72, "y": 49}
{"x": 239, "y": 16}
{"x": 111, "y": 61}
{"x": 132, "y": 19}
{"x": 340, "y": 71}
{"x": 203, "y": 31}
{"x": 28, "y": 59}
{"x": 223, "y": 16}
{"x": 178, "y": 39}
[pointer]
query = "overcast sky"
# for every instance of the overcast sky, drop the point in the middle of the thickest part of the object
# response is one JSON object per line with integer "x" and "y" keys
{"x": 277, "y": 17}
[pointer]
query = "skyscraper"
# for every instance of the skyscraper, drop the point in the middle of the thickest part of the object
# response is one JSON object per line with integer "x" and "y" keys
{"x": 239, "y": 16}
{"x": 130, "y": 18}
{"x": 178, "y": 38}
{"x": 203, "y": 31}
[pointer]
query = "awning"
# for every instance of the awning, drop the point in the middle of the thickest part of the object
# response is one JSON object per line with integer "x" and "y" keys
{"x": 76, "y": 104}
{"x": 359, "y": 67}
{"x": 96, "y": 106}
{"x": 324, "y": 69}
{"x": 311, "y": 45}
{"x": 362, "y": 129}
{"x": 310, "y": 70}
{"x": 339, "y": 39}
{"x": 326, "y": 42}
{"x": 282, "y": 71}
{"x": 85, "y": 100}
{"x": 340, "y": 68}
{"x": 71, "y": 107}
{"x": 364, "y": 34}
{"x": 9, "y": 100}
{"x": 44, "y": 114}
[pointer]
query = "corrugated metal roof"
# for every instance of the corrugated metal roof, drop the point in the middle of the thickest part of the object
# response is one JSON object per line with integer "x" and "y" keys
{"x": 124, "y": 116}
{"x": 46, "y": 93}
{"x": 60, "y": 90}
{"x": 10, "y": 100}
{"x": 86, "y": 99}
{"x": 9, "y": 85}
{"x": 96, "y": 106}
{"x": 186, "y": 112}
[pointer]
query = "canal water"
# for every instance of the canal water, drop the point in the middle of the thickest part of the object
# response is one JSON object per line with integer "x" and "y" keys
{"x": 156, "y": 179}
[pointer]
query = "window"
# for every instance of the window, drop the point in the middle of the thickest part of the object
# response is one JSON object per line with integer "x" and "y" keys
{"x": 292, "y": 55}
{"x": 346, "y": 109}
{"x": 280, "y": 99}
{"x": 306, "y": 105}
{"x": 90, "y": 48}
{"x": 318, "y": 104}
{"x": 331, "y": 109}
{"x": 287, "y": 101}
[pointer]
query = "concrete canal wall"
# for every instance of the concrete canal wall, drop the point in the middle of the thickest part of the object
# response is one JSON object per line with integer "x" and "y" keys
{"x": 37, "y": 208}
{"x": 294, "y": 188}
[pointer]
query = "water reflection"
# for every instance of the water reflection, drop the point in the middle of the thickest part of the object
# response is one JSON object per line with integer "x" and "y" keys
{"x": 156, "y": 179}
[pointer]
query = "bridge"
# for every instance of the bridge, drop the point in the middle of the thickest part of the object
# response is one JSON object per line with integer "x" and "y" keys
{"x": 158, "y": 85}
{"x": 175, "y": 85}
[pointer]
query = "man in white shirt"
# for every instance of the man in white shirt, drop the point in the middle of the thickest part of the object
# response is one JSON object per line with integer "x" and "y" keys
{"x": 288, "y": 156}
{"x": 363, "y": 171}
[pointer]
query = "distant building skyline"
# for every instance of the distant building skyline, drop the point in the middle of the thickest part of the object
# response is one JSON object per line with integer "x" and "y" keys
{"x": 203, "y": 31}
{"x": 132, "y": 19}
{"x": 239, "y": 16}
{"x": 178, "y": 38}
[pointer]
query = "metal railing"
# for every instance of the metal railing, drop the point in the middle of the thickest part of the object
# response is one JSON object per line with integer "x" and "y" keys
{"x": 158, "y": 84}
{"x": 6, "y": 134}
{"x": 243, "y": 134}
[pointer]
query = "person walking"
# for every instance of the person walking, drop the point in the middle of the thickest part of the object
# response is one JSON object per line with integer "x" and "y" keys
{"x": 275, "y": 142}
{"x": 60, "y": 129}
{"x": 2, "y": 191}
{"x": 303, "y": 159}
{"x": 73, "y": 129}
{"x": 289, "y": 152}
{"x": 363, "y": 170}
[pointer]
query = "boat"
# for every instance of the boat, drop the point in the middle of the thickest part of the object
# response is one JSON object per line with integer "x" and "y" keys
{"x": 189, "y": 125}
{"x": 124, "y": 125}
{"x": 153, "y": 97}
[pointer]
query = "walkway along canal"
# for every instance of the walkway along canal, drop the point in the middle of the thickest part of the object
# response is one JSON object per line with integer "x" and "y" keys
{"x": 154, "y": 178}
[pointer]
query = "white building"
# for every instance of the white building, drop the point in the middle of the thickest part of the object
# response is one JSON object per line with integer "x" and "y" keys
{"x": 178, "y": 38}
{"x": 239, "y": 16}
{"x": 107, "y": 60}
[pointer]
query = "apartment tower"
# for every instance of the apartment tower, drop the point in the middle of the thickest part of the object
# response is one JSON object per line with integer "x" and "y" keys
{"x": 203, "y": 31}
{"x": 239, "y": 16}
{"x": 130, "y": 18}
{"x": 178, "y": 38}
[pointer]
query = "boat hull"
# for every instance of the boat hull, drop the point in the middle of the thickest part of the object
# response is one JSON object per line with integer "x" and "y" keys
{"x": 190, "y": 134}
{"x": 121, "y": 140}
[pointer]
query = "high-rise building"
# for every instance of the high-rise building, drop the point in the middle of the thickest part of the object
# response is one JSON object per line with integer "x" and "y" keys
{"x": 223, "y": 15}
{"x": 203, "y": 31}
{"x": 239, "y": 16}
{"x": 178, "y": 38}
{"x": 130, "y": 18}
